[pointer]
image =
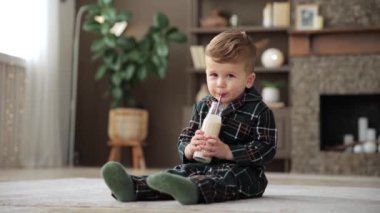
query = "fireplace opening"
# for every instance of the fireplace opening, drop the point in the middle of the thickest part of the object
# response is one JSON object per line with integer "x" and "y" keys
{"x": 340, "y": 115}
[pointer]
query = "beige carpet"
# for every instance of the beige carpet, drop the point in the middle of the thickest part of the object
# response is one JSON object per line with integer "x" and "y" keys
{"x": 92, "y": 195}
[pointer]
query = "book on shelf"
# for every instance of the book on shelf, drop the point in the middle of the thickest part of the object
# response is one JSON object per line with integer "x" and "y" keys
{"x": 281, "y": 14}
{"x": 198, "y": 56}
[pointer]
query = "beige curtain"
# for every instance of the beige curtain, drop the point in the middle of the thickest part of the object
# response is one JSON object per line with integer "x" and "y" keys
{"x": 12, "y": 100}
{"x": 44, "y": 41}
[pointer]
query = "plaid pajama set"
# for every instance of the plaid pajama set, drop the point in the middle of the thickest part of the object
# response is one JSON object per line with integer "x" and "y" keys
{"x": 249, "y": 129}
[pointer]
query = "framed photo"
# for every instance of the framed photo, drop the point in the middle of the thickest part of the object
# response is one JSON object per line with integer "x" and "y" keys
{"x": 306, "y": 16}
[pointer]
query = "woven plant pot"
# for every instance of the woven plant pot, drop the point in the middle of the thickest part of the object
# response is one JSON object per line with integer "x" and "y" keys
{"x": 128, "y": 124}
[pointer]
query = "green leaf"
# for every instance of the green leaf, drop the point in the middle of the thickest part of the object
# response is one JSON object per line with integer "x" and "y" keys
{"x": 101, "y": 72}
{"x": 154, "y": 29}
{"x": 156, "y": 60}
{"x": 161, "y": 71}
{"x": 105, "y": 28}
{"x": 134, "y": 55}
{"x": 109, "y": 60}
{"x": 129, "y": 71}
{"x": 119, "y": 60}
{"x": 117, "y": 92}
{"x": 142, "y": 73}
{"x": 105, "y": 3}
{"x": 150, "y": 67}
{"x": 176, "y": 36}
{"x": 164, "y": 61}
{"x": 97, "y": 45}
{"x": 116, "y": 79}
{"x": 145, "y": 44}
{"x": 162, "y": 49}
{"x": 91, "y": 26}
{"x": 124, "y": 15}
{"x": 109, "y": 41}
{"x": 275, "y": 84}
{"x": 92, "y": 9}
{"x": 161, "y": 20}
{"x": 97, "y": 55}
{"x": 156, "y": 37}
{"x": 109, "y": 14}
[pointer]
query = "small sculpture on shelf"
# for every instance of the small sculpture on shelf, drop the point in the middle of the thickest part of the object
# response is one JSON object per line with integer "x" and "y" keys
{"x": 272, "y": 58}
{"x": 261, "y": 45}
{"x": 217, "y": 18}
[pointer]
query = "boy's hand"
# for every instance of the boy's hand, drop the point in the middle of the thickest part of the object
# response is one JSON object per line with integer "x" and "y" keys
{"x": 196, "y": 143}
{"x": 214, "y": 147}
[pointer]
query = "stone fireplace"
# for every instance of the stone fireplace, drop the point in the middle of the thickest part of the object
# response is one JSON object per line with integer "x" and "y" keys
{"x": 341, "y": 59}
{"x": 335, "y": 75}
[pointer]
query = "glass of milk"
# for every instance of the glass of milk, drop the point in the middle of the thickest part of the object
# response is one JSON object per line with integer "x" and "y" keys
{"x": 211, "y": 127}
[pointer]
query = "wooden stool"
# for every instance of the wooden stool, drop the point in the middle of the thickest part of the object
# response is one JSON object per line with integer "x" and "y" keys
{"x": 128, "y": 127}
{"x": 138, "y": 159}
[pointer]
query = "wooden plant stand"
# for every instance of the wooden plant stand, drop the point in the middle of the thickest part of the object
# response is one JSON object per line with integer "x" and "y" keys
{"x": 127, "y": 127}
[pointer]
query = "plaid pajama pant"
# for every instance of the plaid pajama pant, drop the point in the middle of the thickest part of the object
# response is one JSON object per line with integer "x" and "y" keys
{"x": 216, "y": 183}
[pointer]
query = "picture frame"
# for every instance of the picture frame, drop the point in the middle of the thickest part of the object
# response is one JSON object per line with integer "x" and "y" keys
{"x": 306, "y": 16}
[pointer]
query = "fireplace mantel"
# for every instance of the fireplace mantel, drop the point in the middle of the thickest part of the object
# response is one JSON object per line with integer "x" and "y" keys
{"x": 334, "y": 41}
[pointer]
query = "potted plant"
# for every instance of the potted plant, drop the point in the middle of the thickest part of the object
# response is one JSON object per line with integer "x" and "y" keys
{"x": 126, "y": 61}
{"x": 271, "y": 92}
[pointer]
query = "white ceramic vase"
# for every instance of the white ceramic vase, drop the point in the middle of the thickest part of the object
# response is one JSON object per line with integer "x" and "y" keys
{"x": 369, "y": 147}
{"x": 271, "y": 94}
{"x": 358, "y": 148}
{"x": 272, "y": 58}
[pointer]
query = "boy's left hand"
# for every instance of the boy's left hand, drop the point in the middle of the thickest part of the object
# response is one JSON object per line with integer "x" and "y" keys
{"x": 214, "y": 147}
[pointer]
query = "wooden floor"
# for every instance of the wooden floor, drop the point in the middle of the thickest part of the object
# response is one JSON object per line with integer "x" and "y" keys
{"x": 285, "y": 193}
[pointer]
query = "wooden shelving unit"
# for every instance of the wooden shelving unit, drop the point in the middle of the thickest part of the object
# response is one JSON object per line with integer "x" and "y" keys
{"x": 250, "y": 15}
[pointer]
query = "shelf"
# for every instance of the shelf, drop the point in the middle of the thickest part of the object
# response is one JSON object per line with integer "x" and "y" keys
{"x": 334, "y": 30}
{"x": 248, "y": 29}
{"x": 334, "y": 41}
{"x": 259, "y": 69}
{"x": 250, "y": 14}
{"x": 282, "y": 69}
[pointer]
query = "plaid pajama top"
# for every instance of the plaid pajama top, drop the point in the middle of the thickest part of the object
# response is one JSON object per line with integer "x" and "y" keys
{"x": 248, "y": 128}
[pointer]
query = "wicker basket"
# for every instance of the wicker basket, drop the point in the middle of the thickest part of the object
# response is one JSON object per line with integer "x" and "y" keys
{"x": 127, "y": 124}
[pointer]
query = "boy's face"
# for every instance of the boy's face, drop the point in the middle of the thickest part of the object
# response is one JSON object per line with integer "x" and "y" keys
{"x": 228, "y": 80}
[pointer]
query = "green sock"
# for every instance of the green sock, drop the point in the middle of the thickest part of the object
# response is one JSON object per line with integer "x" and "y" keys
{"x": 180, "y": 188}
{"x": 119, "y": 181}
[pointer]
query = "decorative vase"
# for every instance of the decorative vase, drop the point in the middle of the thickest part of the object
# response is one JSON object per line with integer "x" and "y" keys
{"x": 369, "y": 147}
{"x": 358, "y": 148}
{"x": 270, "y": 94}
{"x": 267, "y": 15}
{"x": 272, "y": 58}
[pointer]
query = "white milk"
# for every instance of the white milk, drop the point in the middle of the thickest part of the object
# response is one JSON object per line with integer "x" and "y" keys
{"x": 211, "y": 127}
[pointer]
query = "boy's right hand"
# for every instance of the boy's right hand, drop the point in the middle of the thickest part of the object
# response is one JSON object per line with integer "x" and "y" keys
{"x": 196, "y": 144}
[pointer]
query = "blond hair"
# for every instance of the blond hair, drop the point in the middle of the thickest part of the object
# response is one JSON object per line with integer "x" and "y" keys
{"x": 233, "y": 47}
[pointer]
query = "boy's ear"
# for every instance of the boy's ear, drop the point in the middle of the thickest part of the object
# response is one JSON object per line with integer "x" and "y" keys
{"x": 250, "y": 80}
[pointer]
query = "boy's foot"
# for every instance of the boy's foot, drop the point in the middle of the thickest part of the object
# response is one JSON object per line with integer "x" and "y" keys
{"x": 180, "y": 188}
{"x": 119, "y": 181}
